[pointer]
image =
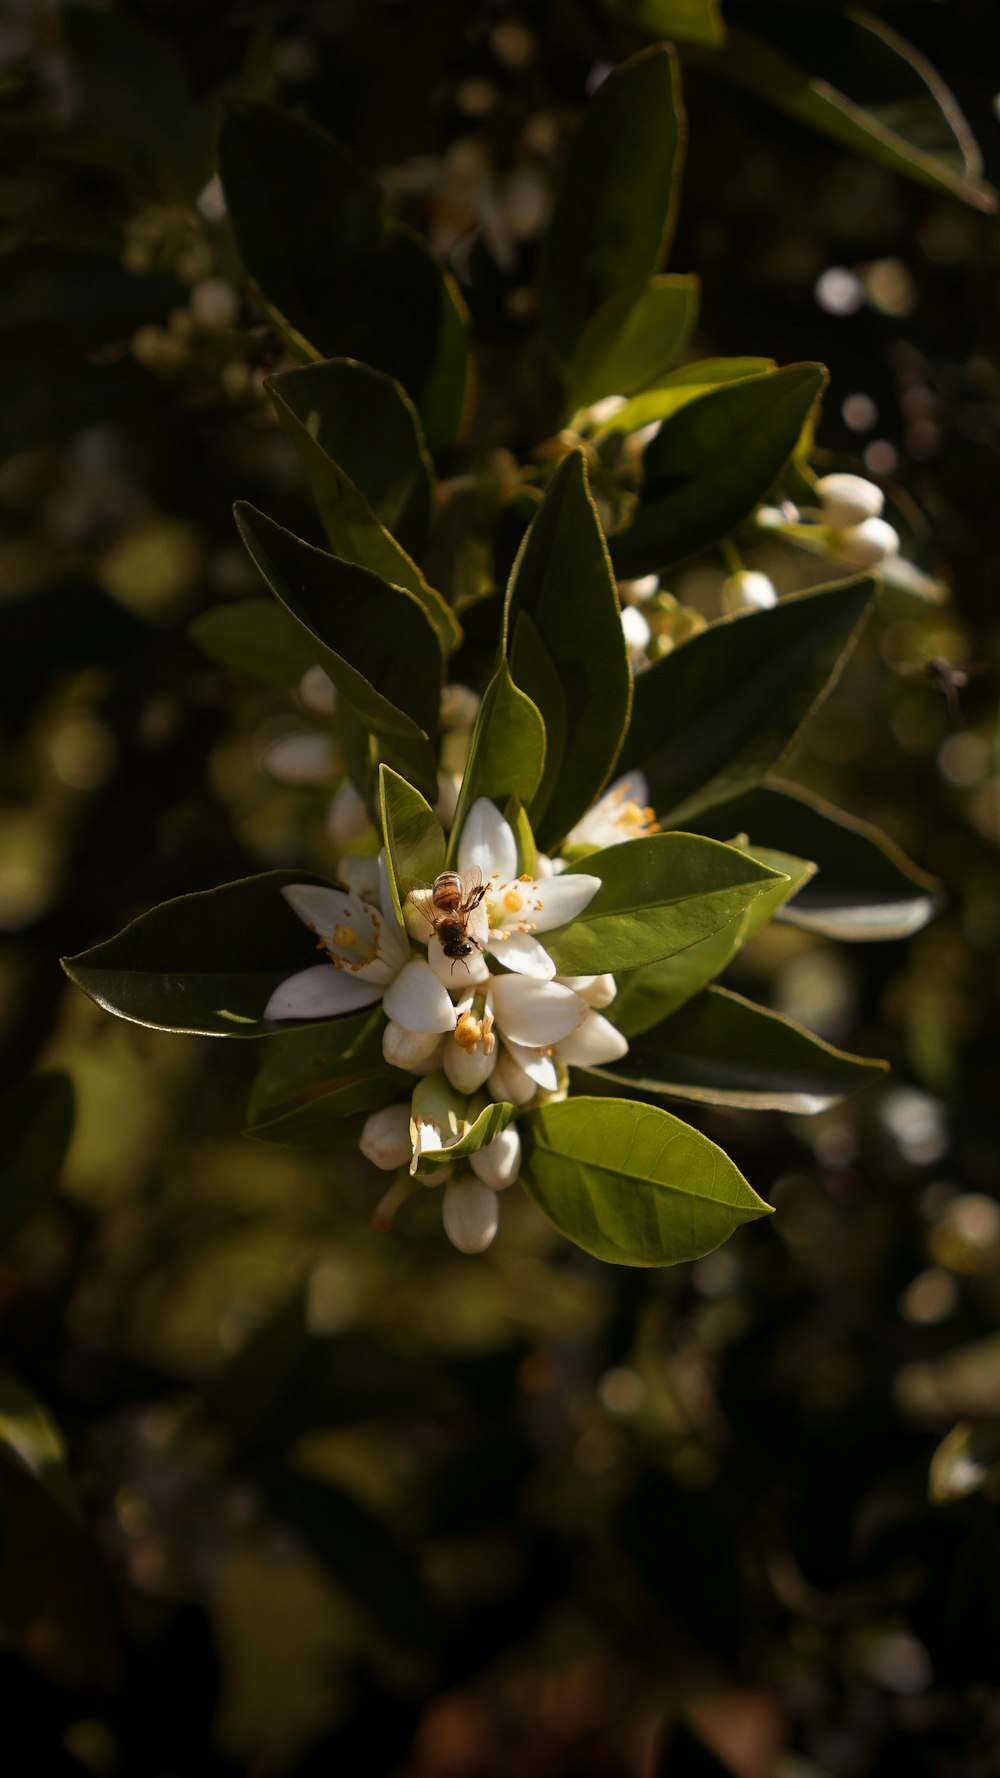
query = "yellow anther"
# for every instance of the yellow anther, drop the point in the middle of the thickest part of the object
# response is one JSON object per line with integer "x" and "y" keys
{"x": 468, "y": 1032}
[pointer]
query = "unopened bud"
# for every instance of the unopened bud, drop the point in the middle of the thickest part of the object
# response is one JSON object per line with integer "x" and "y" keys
{"x": 499, "y": 1162}
{"x": 509, "y": 1083}
{"x": 864, "y": 546}
{"x": 385, "y": 1139}
{"x": 471, "y": 1215}
{"x": 459, "y": 706}
{"x": 636, "y": 630}
{"x": 416, "y": 1051}
{"x": 849, "y": 499}
{"x": 215, "y": 305}
{"x": 636, "y": 592}
{"x": 748, "y": 591}
{"x": 317, "y": 691}
{"x": 596, "y": 990}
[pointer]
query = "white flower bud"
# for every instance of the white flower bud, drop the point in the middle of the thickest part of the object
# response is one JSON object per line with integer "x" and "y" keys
{"x": 864, "y": 546}
{"x": 215, "y": 305}
{"x": 748, "y": 591}
{"x": 499, "y": 1162}
{"x": 385, "y": 1139}
{"x": 509, "y": 1083}
{"x": 849, "y": 499}
{"x": 317, "y": 691}
{"x": 636, "y": 592}
{"x": 596, "y": 990}
{"x": 471, "y": 1215}
{"x": 346, "y": 818}
{"x": 607, "y": 408}
{"x": 637, "y": 632}
{"x": 418, "y": 1052}
{"x": 468, "y": 1070}
{"x": 459, "y": 706}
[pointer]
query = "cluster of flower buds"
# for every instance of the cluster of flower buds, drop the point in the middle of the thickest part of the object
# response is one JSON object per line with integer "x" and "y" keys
{"x": 852, "y": 508}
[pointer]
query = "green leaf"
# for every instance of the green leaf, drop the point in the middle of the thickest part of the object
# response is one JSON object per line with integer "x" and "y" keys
{"x": 658, "y": 895}
{"x": 414, "y": 837}
{"x": 710, "y": 719}
{"x": 646, "y": 996}
{"x": 481, "y": 1132}
{"x": 676, "y": 390}
{"x": 632, "y": 340}
{"x": 866, "y": 888}
{"x": 331, "y": 1113}
{"x": 314, "y": 235}
{"x": 898, "y": 111}
{"x": 631, "y": 1184}
{"x": 562, "y": 580}
{"x": 366, "y": 407}
{"x": 256, "y": 637}
{"x": 436, "y": 1101}
{"x": 303, "y": 1065}
{"x": 30, "y": 1438}
{"x": 711, "y": 463}
{"x": 720, "y": 1049}
{"x": 373, "y": 639}
{"x": 205, "y": 964}
{"x": 693, "y": 21}
{"x": 506, "y": 753}
{"x": 610, "y": 228}
{"x": 367, "y": 423}
{"x": 36, "y": 1122}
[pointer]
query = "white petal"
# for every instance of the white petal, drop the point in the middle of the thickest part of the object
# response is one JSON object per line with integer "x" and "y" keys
{"x": 637, "y": 632}
{"x": 537, "y": 1064}
{"x": 456, "y": 972}
{"x": 417, "y": 999}
{"x": 596, "y": 1041}
{"x": 535, "y": 1013}
{"x": 519, "y": 951}
{"x": 596, "y": 990}
{"x": 304, "y": 758}
{"x": 487, "y": 843}
{"x": 468, "y": 1072}
{"x": 317, "y": 691}
{"x": 849, "y": 499}
{"x": 499, "y": 1163}
{"x": 508, "y": 1083}
{"x": 471, "y": 1215}
{"x": 321, "y": 909}
{"x": 385, "y": 1139}
{"x": 320, "y": 993}
{"x": 562, "y": 898}
{"x": 419, "y": 1052}
{"x": 359, "y": 875}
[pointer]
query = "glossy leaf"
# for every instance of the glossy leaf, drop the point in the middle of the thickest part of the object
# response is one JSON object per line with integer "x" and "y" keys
{"x": 373, "y": 639}
{"x": 367, "y": 423}
{"x": 678, "y": 388}
{"x": 331, "y": 1112}
{"x": 720, "y": 1049}
{"x": 562, "y": 581}
{"x": 36, "y": 1122}
{"x": 414, "y": 838}
{"x": 206, "y": 964}
{"x": 710, "y": 719}
{"x": 610, "y": 230}
{"x": 865, "y": 888}
{"x": 30, "y": 1438}
{"x": 630, "y": 1183}
{"x": 313, "y": 234}
{"x": 853, "y": 78}
{"x": 647, "y": 996}
{"x": 692, "y": 21}
{"x": 306, "y": 1062}
{"x": 658, "y": 895}
{"x": 711, "y": 463}
{"x": 632, "y": 340}
{"x": 506, "y": 753}
{"x": 254, "y": 636}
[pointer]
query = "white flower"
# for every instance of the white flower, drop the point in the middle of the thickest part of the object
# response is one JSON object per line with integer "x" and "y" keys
{"x": 516, "y": 906}
{"x": 498, "y": 1163}
{"x": 471, "y": 1214}
{"x": 385, "y": 1139}
{"x": 623, "y": 813}
{"x": 849, "y": 500}
{"x": 748, "y": 591}
{"x": 865, "y": 545}
{"x": 637, "y": 633}
{"x": 526, "y": 1013}
{"x": 523, "y": 1066}
{"x": 636, "y": 592}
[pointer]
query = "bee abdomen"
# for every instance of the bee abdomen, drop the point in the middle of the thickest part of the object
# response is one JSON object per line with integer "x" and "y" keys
{"x": 448, "y": 890}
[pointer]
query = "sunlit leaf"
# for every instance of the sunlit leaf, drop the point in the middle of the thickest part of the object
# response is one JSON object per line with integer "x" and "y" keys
{"x": 414, "y": 838}
{"x": 679, "y": 387}
{"x": 692, "y": 21}
{"x": 506, "y": 753}
{"x": 632, "y": 340}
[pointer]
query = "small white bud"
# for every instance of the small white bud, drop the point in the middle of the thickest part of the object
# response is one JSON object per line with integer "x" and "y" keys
{"x": 417, "y": 1051}
{"x": 459, "y": 706}
{"x": 636, "y": 592}
{"x": 849, "y": 499}
{"x": 606, "y": 409}
{"x": 748, "y": 591}
{"x": 637, "y": 632}
{"x": 468, "y": 1070}
{"x": 214, "y": 304}
{"x": 864, "y": 546}
{"x": 385, "y": 1139}
{"x": 347, "y": 817}
{"x": 471, "y": 1215}
{"x": 596, "y": 990}
{"x": 509, "y": 1083}
{"x": 317, "y": 691}
{"x": 499, "y": 1162}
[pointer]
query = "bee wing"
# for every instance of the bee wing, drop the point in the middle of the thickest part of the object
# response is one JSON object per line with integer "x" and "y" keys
{"x": 421, "y": 901}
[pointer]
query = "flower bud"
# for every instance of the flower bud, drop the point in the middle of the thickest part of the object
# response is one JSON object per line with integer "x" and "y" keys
{"x": 864, "y": 546}
{"x": 468, "y": 1065}
{"x": 317, "y": 691}
{"x": 499, "y": 1162}
{"x": 385, "y": 1139}
{"x": 347, "y": 817}
{"x": 596, "y": 990}
{"x": 748, "y": 591}
{"x": 849, "y": 500}
{"x": 509, "y": 1083}
{"x": 307, "y": 757}
{"x": 215, "y": 305}
{"x": 636, "y": 592}
{"x": 459, "y": 706}
{"x": 471, "y": 1215}
{"x": 416, "y": 1051}
{"x": 636, "y": 630}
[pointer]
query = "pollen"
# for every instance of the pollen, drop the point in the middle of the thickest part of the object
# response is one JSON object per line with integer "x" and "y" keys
{"x": 345, "y": 938}
{"x": 513, "y": 902}
{"x": 468, "y": 1032}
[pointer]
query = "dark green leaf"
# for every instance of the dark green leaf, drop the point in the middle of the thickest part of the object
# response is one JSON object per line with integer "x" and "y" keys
{"x": 368, "y": 425}
{"x": 658, "y": 895}
{"x": 303, "y": 1065}
{"x": 710, "y": 719}
{"x": 712, "y": 462}
{"x": 30, "y": 1438}
{"x": 678, "y": 388}
{"x": 36, "y": 1122}
{"x": 866, "y": 888}
{"x": 313, "y": 234}
{"x": 632, "y": 340}
{"x": 610, "y": 228}
{"x": 631, "y": 1184}
{"x": 506, "y": 753}
{"x": 850, "y": 76}
{"x": 332, "y": 1110}
{"x": 720, "y": 1049}
{"x": 562, "y": 580}
{"x": 374, "y": 639}
{"x": 414, "y": 838}
{"x": 206, "y": 964}
{"x": 255, "y": 636}
{"x": 693, "y": 21}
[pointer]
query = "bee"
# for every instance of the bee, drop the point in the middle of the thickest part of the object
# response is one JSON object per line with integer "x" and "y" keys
{"x": 448, "y": 906}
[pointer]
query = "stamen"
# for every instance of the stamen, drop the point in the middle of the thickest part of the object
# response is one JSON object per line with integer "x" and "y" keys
{"x": 513, "y": 902}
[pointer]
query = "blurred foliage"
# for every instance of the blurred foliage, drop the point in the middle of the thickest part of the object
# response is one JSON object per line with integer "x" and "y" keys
{"x": 343, "y": 1501}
